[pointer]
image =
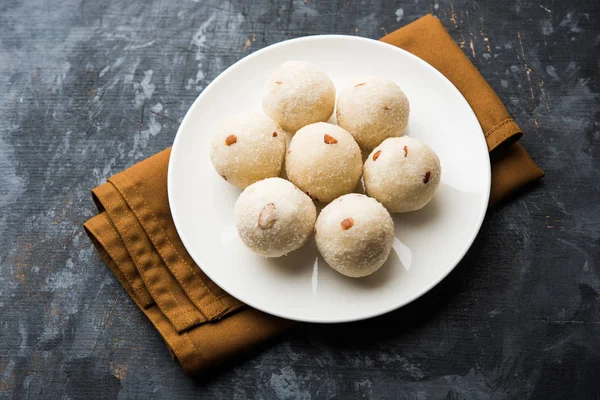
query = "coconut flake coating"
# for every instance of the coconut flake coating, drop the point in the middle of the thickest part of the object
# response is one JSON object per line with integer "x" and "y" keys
{"x": 273, "y": 217}
{"x": 372, "y": 110}
{"x": 402, "y": 174}
{"x": 354, "y": 234}
{"x": 297, "y": 94}
{"x": 247, "y": 148}
{"x": 324, "y": 161}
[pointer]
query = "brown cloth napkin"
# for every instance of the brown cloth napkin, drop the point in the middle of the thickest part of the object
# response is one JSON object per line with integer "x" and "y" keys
{"x": 201, "y": 324}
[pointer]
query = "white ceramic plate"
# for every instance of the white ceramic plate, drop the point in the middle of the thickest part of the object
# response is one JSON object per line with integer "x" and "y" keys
{"x": 301, "y": 286}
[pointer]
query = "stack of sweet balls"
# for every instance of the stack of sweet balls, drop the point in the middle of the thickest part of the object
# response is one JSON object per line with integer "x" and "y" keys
{"x": 323, "y": 162}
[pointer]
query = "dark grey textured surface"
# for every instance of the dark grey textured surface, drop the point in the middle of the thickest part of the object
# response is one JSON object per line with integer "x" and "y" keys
{"x": 88, "y": 88}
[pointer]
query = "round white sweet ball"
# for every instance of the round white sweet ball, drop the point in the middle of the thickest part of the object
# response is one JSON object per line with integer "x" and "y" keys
{"x": 373, "y": 110}
{"x": 247, "y": 148}
{"x": 273, "y": 217}
{"x": 324, "y": 161}
{"x": 354, "y": 234}
{"x": 298, "y": 94}
{"x": 402, "y": 174}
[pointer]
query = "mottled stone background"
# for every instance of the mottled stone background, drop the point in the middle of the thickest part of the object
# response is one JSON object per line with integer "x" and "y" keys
{"x": 88, "y": 88}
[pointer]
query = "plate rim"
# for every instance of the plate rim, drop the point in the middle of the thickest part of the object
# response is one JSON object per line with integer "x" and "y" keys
{"x": 375, "y": 42}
